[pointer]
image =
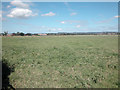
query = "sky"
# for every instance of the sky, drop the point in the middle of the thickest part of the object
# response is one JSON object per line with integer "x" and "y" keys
{"x": 54, "y": 17}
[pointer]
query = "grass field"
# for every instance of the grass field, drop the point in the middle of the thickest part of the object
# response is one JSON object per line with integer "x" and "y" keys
{"x": 62, "y": 61}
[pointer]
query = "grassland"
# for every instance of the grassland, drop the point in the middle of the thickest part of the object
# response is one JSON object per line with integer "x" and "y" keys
{"x": 62, "y": 61}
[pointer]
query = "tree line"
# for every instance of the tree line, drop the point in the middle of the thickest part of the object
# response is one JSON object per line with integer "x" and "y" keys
{"x": 5, "y": 33}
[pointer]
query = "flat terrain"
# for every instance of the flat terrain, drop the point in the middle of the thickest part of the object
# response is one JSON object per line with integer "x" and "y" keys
{"x": 62, "y": 61}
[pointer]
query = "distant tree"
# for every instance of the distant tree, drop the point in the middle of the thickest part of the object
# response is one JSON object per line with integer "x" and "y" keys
{"x": 18, "y": 33}
{"x": 35, "y": 34}
{"x": 21, "y": 34}
{"x": 5, "y": 33}
{"x": 29, "y": 34}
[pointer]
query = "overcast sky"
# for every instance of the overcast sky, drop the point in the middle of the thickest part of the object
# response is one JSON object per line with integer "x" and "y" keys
{"x": 47, "y": 17}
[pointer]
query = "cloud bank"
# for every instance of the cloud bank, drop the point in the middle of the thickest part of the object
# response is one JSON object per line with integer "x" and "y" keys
{"x": 21, "y": 10}
{"x": 19, "y": 4}
{"x": 20, "y": 13}
{"x": 116, "y": 16}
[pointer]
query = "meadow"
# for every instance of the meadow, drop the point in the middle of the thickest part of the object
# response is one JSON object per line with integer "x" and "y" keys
{"x": 83, "y": 61}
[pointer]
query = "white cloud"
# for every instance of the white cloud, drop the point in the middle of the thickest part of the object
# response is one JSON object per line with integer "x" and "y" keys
{"x": 73, "y": 14}
{"x": 8, "y": 6}
{"x": 19, "y": 4}
{"x": 116, "y": 16}
{"x": 0, "y": 15}
{"x": 63, "y": 22}
{"x": 55, "y": 29}
{"x": 48, "y": 14}
{"x": 78, "y": 22}
{"x": 78, "y": 26}
{"x": 20, "y": 13}
{"x": 59, "y": 29}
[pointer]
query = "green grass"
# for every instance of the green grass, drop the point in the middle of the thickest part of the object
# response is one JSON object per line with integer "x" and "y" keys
{"x": 62, "y": 61}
